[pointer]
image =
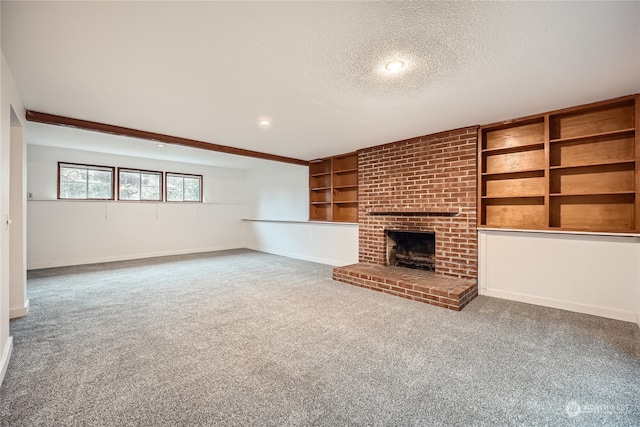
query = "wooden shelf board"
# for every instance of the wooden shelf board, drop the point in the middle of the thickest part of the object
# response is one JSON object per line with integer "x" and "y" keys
{"x": 591, "y": 165}
{"x": 314, "y": 175}
{"x": 320, "y": 203}
{"x": 320, "y": 188}
{"x": 515, "y": 200}
{"x": 619, "y": 132}
{"x": 618, "y": 102}
{"x": 596, "y": 231}
{"x": 602, "y": 193}
{"x": 561, "y": 230}
{"x": 342, "y": 187}
{"x": 344, "y": 202}
{"x": 514, "y": 149}
{"x": 531, "y": 175}
{"x": 345, "y": 170}
{"x": 523, "y": 171}
{"x": 534, "y": 196}
{"x": 513, "y": 123}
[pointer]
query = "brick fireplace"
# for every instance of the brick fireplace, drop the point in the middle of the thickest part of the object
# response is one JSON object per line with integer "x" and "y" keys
{"x": 424, "y": 184}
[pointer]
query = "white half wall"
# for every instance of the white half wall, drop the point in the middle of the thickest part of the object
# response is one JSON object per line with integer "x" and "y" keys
{"x": 325, "y": 243}
{"x": 279, "y": 219}
{"x": 62, "y": 233}
{"x": 585, "y": 273}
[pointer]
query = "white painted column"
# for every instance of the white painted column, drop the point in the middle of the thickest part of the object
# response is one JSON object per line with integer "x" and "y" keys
{"x": 18, "y": 303}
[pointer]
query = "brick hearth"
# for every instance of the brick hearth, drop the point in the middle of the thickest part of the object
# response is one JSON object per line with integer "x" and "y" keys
{"x": 418, "y": 285}
{"x": 421, "y": 184}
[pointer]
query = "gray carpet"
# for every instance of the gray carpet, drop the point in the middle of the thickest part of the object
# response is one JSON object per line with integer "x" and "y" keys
{"x": 246, "y": 338}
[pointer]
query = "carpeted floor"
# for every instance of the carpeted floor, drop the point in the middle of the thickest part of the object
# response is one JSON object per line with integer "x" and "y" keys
{"x": 246, "y": 338}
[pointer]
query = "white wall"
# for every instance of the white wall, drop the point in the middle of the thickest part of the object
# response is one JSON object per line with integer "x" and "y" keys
{"x": 9, "y": 99}
{"x": 79, "y": 232}
{"x": 70, "y": 233}
{"x": 280, "y": 191}
{"x": 592, "y": 274}
{"x": 279, "y": 209}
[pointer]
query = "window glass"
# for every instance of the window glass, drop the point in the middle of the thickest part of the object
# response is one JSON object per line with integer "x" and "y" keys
{"x": 184, "y": 188}
{"x": 139, "y": 185}
{"x": 85, "y": 182}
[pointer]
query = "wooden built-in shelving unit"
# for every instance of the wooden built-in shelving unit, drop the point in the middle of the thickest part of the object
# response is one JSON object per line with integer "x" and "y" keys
{"x": 571, "y": 169}
{"x": 333, "y": 188}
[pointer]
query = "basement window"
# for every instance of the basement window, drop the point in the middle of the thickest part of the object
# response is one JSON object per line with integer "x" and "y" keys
{"x": 85, "y": 182}
{"x": 183, "y": 187}
{"x": 142, "y": 185}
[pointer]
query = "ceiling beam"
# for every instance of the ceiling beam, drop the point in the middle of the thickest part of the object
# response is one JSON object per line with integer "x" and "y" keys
{"x": 51, "y": 119}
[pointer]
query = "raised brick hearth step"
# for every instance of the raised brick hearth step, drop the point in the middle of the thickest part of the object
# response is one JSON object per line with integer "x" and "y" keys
{"x": 418, "y": 285}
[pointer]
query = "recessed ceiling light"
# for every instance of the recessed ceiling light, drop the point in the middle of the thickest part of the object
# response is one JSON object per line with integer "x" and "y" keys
{"x": 394, "y": 66}
{"x": 264, "y": 122}
{"x": 160, "y": 145}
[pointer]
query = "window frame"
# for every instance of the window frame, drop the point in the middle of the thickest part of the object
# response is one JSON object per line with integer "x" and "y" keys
{"x": 87, "y": 167}
{"x": 182, "y": 175}
{"x": 142, "y": 171}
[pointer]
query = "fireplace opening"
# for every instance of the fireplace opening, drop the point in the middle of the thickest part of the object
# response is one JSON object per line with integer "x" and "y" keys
{"x": 413, "y": 249}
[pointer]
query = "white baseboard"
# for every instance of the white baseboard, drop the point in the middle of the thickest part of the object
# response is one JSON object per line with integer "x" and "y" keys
{"x": 99, "y": 260}
{"x": 14, "y": 313}
{"x": 6, "y": 355}
{"x": 328, "y": 261}
{"x": 563, "y": 305}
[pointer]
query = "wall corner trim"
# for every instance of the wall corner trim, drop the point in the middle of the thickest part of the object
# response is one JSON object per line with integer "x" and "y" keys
{"x": 14, "y": 313}
{"x": 6, "y": 355}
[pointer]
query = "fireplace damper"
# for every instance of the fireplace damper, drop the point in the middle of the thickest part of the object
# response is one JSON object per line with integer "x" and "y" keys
{"x": 413, "y": 249}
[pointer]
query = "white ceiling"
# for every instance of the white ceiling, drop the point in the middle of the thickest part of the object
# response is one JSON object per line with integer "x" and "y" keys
{"x": 210, "y": 70}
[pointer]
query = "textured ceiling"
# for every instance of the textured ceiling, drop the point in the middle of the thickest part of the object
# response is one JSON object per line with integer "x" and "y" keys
{"x": 210, "y": 70}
